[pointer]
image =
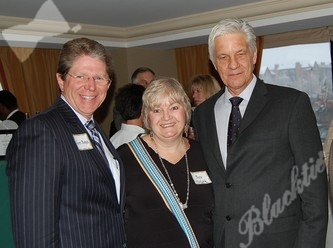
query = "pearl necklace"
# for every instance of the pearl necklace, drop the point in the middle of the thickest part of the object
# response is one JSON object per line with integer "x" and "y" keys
{"x": 182, "y": 205}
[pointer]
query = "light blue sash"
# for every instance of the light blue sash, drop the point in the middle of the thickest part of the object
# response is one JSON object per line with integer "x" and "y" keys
{"x": 163, "y": 188}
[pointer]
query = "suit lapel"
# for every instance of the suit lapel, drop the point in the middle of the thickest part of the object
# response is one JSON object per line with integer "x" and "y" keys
{"x": 256, "y": 104}
{"x": 210, "y": 119}
{"x": 76, "y": 127}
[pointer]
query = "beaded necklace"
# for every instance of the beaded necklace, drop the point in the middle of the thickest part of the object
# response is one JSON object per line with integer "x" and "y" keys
{"x": 182, "y": 205}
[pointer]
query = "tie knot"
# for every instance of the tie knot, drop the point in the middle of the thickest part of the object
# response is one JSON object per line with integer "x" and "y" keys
{"x": 90, "y": 125}
{"x": 235, "y": 101}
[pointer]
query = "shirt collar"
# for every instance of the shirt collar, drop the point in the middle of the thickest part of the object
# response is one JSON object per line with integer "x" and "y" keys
{"x": 245, "y": 94}
{"x": 81, "y": 117}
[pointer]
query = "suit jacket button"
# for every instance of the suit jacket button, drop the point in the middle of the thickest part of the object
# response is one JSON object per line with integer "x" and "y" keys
{"x": 228, "y": 218}
{"x": 228, "y": 185}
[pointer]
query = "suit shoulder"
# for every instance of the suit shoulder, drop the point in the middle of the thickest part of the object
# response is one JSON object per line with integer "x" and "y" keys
{"x": 282, "y": 89}
{"x": 123, "y": 150}
{"x": 283, "y": 92}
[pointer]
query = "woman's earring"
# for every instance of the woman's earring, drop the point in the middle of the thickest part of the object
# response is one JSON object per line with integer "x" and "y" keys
{"x": 186, "y": 130}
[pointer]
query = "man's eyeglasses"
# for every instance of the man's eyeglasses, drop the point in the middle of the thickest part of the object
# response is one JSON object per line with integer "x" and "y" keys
{"x": 83, "y": 79}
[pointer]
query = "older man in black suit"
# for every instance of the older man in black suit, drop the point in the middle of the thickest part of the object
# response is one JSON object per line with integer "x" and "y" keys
{"x": 266, "y": 164}
{"x": 66, "y": 179}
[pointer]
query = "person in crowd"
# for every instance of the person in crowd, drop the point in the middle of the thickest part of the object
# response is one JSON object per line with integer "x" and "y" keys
{"x": 168, "y": 191}
{"x": 66, "y": 180}
{"x": 129, "y": 104}
{"x": 9, "y": 109}
{"x": 203, "y": 86}
{"x": 266, "y": 160}
{"x": 142, "y": 76}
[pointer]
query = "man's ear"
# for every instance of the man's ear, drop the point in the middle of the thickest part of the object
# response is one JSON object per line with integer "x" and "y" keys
{"x": 60, "y": 81}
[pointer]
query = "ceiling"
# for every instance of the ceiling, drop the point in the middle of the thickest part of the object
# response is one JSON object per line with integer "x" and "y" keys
{"x": 149, "y": 23}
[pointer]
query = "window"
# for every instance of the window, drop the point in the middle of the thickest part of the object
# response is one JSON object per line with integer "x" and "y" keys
{"x": 306, "y": 68}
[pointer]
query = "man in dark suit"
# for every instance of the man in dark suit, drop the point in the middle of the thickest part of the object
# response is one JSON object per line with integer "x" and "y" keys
{"x": 9, "y": 109}
{"x": 270, "y": 183}
{"x": 66, "y": 179}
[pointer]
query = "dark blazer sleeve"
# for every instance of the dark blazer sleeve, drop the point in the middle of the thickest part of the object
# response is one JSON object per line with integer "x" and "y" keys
{"x": 311, "y": 174}
{"x": 34, "y": 176}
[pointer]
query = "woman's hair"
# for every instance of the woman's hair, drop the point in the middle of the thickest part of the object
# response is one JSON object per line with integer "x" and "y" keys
{"x": 160, "y": 88}
{"x": 231, "y": 26}
{"x": 207, "y": 83}
{"x": 76, "y": 48}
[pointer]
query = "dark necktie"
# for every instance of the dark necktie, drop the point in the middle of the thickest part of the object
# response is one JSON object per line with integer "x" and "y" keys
{"x": 95, "y": 136}
{"x": 234, "y": 120}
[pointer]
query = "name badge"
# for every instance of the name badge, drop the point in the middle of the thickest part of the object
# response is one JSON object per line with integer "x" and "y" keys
{"x": 82, "y": 141}
{"x": 201, "y": 177}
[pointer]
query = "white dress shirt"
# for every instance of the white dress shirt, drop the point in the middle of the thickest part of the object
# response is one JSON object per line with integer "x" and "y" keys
{"x": 126, "y": 134}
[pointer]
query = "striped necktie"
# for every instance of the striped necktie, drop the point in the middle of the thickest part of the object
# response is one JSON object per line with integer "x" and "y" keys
{"x": 95, "y": 136}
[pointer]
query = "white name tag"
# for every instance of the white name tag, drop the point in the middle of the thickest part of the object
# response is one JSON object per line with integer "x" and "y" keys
{"x": 201, "y": 177}
{"x": 82, "y": 141}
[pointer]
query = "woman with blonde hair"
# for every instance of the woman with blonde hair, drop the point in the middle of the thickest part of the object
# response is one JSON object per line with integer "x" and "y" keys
{"x": 169, "y": 198}
{"x": 203, "y": 86}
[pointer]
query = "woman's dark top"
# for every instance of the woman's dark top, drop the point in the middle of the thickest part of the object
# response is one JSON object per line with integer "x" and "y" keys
{"x": 149, "y": 223}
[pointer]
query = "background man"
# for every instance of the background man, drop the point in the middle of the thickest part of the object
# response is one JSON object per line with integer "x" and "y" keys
{"x": 142, "y": 76}
{"x": 129, "y": 105}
